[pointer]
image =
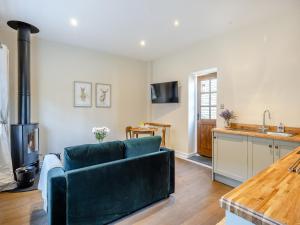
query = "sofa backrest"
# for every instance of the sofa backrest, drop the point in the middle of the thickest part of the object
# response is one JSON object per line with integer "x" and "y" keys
{"x": 141, "y": 146}
{"x": 91, "y": 154}
{"x": 100, "y": 194}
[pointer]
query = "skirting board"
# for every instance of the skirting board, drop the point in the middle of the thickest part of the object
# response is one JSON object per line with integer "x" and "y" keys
{"x": 184, "y": 155}
{"x": 226, "y": 180}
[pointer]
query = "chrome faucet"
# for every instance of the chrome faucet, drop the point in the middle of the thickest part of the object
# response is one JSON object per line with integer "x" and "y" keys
{"x": 264, "y": 128}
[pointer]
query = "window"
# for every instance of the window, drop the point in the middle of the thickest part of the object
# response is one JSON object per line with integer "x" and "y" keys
{"x": 208, "y": 97}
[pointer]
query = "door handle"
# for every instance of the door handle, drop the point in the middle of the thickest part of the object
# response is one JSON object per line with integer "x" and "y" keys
{"x": 271, "y": 148}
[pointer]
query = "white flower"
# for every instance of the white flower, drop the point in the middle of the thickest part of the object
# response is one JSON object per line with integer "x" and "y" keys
{"x": 100, "y": 132}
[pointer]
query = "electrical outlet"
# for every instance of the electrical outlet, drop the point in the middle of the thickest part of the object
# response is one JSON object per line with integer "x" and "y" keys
{"x": 222, "y": 106}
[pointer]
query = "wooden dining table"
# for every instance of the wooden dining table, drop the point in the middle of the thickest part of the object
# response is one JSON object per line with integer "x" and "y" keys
{"x": 143, "y": 130}
{"x": 149, "y": 128}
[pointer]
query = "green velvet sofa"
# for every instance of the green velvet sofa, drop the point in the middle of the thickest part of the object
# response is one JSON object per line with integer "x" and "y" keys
{"x": 101, "y": 183}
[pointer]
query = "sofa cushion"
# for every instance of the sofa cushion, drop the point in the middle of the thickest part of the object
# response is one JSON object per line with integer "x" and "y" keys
{"x": 141, "y": 146}
{"x": 91, "y": 154}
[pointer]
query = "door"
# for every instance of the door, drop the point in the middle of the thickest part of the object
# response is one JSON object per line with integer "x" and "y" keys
{"x": 207, "y": 112}
{"x": 282, "y": 148}
{"x": 231, "y": 156}
{"x": 262, "y": 154}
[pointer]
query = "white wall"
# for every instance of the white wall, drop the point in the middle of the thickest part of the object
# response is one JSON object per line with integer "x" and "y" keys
{"x": 54, "y": 68}
{"x": 258, "y": 68}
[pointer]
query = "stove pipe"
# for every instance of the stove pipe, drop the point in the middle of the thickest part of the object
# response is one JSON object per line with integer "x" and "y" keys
{"x": 24, "y": 31}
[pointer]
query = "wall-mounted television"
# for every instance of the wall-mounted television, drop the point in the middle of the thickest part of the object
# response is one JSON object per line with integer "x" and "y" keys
{"x": 165, "y": 92}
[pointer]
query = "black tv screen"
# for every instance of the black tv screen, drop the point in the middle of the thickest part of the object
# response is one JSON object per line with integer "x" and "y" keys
{"x": 164, "y": 92}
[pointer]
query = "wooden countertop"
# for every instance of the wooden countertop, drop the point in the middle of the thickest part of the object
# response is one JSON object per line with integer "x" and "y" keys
{"x": 270, "y": 197}
{"x": 294, "y": 138}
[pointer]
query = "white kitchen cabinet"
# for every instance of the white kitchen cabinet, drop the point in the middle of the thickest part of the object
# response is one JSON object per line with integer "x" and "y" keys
{"x": 282, "y": 148}
{"x": 261, "y": 153}
{"x": 239, "y": 157}
{"x": 230, "y": 156}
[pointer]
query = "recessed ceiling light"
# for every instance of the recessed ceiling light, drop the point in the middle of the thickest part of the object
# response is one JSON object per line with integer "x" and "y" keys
{"x": 176, "y": 23}
{"x": 142, "y": 43}
{"x": 73, "y": 22}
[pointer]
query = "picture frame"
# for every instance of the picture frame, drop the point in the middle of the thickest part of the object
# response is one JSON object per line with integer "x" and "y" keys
{"x": 82, "y": 94}
{"x": 103, "y": 95}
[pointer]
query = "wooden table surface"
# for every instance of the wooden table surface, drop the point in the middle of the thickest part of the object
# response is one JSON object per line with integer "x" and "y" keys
{"x": 270, "y": 197}
{"x": 294, "y": 138}
{"x": 143, "y": 129}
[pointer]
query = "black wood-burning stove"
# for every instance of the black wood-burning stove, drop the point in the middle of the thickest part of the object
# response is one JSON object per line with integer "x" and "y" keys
{"x": 24, "y": 135}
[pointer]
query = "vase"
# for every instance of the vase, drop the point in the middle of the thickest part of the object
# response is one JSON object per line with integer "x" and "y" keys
{"x": 100, "y": 141}
{"x": 227, "y": 123}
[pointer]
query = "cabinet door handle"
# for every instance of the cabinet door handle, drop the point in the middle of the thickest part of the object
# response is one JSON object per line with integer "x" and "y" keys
{"x": 215, "y": 137}
{"x": 271, "y": 149}
{"x": 276, "y": 146}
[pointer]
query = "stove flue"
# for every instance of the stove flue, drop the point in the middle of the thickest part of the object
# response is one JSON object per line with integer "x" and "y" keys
{"x": 24, "y": 135}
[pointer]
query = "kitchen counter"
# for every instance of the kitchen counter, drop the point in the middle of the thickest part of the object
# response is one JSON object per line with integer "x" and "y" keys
{"x": 270, "y": 197}
{"x": 251, "y": 133}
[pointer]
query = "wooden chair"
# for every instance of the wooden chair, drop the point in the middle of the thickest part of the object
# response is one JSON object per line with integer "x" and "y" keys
{"x": 128, "y": 132}
{"x": 132, "y": 132}
{"x": 163, "y": 129}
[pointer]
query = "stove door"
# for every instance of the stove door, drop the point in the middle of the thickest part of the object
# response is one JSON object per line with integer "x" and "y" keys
{"x": 30, "y": 143}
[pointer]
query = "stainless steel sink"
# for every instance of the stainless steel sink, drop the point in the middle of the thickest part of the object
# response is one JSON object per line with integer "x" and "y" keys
{"x": 279, "y": 134}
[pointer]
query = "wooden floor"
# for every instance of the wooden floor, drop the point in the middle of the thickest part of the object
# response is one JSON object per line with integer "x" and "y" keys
{"x": 195, "y": 202}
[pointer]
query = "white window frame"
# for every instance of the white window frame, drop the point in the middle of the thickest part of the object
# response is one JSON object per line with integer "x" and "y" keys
{"x": 209, "y": 92}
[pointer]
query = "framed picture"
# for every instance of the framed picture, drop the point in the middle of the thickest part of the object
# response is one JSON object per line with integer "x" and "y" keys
{"x": 82, "y": 94}
{"x": 103, "y": 95}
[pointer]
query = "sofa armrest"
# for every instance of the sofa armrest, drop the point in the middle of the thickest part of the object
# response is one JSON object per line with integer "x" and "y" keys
{"x": 172, "y": 168}
{"x": 103, "y": 193}
{"x": 56, "y": 196}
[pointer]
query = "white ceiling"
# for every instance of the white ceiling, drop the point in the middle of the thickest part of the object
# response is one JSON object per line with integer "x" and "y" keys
{"x": 117, "y": 26}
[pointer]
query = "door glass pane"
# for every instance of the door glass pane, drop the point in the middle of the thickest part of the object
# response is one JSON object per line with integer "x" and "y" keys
{"x": 213, "y": 99}
{"x": 204, "y": 85}
{"x": 205, "y": 99}
{"x": 204, "y": 112}
{"x": 213, "y": 113}
{"x": 213, "y": 85}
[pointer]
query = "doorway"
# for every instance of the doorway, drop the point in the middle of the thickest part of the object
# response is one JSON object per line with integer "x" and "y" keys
{"x": 206, "y": 115}
{"x": 206, "y": 112}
